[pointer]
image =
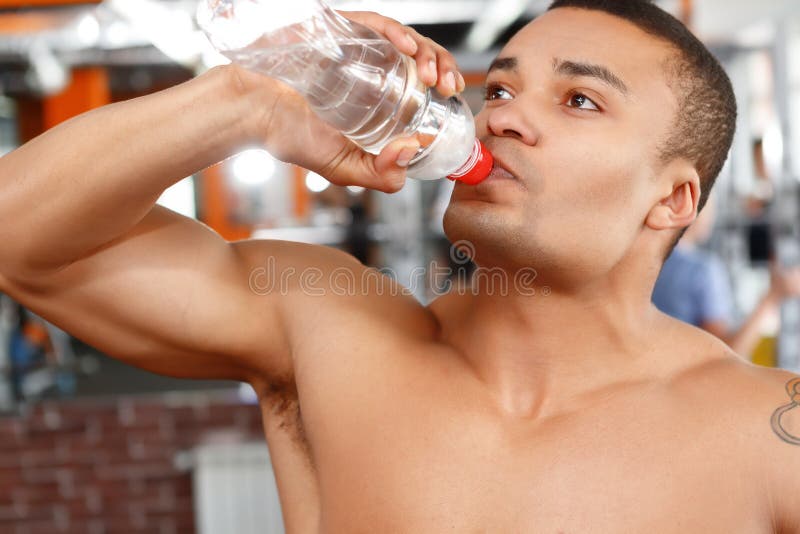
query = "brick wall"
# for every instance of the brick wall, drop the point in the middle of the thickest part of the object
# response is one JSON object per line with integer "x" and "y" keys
{"x": 108, "y": 466}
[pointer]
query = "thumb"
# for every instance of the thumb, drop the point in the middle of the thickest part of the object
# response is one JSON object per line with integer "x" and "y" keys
{"x": 392, "y": 163}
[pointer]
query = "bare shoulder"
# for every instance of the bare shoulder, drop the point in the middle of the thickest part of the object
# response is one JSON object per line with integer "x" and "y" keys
{"x": 759, "y": 395}
{"x": 754, "y": 413}
{"x": 704, "y": 368}
{"x": 774, "y": 399}
{"x": 768, "y": 391}
{"x": 774, "y": 424}
{"x": 760, "y": 404}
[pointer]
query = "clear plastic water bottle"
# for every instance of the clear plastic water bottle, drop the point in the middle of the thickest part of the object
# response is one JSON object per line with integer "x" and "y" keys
{"x": 352, "y": 78}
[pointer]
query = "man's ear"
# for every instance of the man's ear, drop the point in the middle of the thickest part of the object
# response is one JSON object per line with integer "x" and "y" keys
{"x": 678, "y": 208}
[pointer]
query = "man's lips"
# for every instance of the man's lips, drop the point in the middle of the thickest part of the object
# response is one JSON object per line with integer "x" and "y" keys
{"x": 500, "y": 179}
{"x": 501, "y": 171}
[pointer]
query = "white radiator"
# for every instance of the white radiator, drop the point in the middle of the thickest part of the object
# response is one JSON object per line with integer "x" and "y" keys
{"x": 235, "y": 491}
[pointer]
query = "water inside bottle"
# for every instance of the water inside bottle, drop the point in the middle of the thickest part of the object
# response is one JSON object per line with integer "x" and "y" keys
{"x": 368, "y": 92}
{"x": 362, "y": 85}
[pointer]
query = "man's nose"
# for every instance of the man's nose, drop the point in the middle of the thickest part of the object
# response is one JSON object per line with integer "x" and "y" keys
{"x": 511, "y": 121}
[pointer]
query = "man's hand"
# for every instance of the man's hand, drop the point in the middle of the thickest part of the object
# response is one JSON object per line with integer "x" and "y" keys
{"x": 293, "y": 133}
{"x": 784, "y": 282}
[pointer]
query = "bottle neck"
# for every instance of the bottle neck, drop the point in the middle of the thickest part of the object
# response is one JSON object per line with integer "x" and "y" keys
{"x": 477, "y": 167}
{"x": 471, "y": 161}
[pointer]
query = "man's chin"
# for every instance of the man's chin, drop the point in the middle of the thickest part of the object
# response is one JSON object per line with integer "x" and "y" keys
{"x": 484, "y": 228}
{"x": 480, "y": 213}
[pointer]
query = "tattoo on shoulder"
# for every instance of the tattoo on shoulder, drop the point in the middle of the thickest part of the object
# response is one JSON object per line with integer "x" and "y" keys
{"x": 793, "y": 389}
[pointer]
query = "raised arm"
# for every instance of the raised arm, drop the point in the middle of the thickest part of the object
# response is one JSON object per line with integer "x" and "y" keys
{"x": 85, "y": 246}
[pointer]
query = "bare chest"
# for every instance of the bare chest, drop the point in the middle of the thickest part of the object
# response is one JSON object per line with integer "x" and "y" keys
{"x": 441, "y": 475}
{"x": 399, "y": 457}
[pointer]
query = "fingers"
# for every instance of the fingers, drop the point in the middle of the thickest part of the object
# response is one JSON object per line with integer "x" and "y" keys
{"x": 385, "y": 172}
{"x": 436, "y": 66}
{"x": 784, "y": 281}
{"x": 793, "y": 282}
{"x": 391, "y": 164}
{"x": 399, "y": 35}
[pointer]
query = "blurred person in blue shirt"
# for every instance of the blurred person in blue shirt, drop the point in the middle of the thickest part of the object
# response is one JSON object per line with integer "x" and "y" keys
{"x": 694, "y": 287}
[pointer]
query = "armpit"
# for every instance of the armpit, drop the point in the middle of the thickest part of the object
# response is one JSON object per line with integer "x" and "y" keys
{"x": 281, "y": 398}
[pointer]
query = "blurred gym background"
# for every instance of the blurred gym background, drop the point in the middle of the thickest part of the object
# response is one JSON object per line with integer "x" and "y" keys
{"x": 88, "y": 444}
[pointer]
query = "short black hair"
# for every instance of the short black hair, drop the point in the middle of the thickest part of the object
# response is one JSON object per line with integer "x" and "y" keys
{"x": 706, "y": 119}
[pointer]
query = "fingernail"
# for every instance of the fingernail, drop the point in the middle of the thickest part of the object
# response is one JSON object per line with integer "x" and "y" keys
{"x": 432, "y": 70}
{"x": 450, "y": 81}
{"x": 461, "y": 83}
{"x": 406, "y": 155}
{"x": 411, "y": 43}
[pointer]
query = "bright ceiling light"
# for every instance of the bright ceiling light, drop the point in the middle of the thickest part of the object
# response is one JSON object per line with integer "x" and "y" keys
{"x": 493, "y": 22}
{"x": 88, "y": 30}
{"x": 117, "y": 34}
{"x": 316, "y": 183}
{"x": 47, "y": 73}
{"x": 772, "y": 145}
{"x": 170, "y": 30}
{"x": 253, "y": 167}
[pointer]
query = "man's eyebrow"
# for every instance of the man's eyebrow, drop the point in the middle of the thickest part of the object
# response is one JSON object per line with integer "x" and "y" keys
{"x": 504, "y": 63}
{"x": 575, "y": 68}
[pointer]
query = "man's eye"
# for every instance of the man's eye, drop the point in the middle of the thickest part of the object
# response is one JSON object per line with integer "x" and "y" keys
{"x": 495, "y": 92}
{"x": 581, "y": 101}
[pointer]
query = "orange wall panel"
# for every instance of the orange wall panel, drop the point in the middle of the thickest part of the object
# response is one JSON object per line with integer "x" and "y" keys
{"x": 88, "y": 89}
{"x": 14, "y": 4}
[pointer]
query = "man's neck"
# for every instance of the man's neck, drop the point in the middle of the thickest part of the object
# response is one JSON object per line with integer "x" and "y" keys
{"x": 534, "y": 352}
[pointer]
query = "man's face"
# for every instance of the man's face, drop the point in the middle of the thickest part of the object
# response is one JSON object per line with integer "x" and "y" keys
{"x": 576, "y": 107}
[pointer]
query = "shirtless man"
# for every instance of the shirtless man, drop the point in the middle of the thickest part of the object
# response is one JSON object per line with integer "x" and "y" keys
{"x": 579, "y": 410}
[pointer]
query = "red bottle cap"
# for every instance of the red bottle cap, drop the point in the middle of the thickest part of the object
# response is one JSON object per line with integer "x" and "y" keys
{"x": 477, "y": 167}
